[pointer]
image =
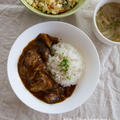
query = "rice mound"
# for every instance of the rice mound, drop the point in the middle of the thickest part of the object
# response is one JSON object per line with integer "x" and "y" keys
{"x": 76, "y": 64}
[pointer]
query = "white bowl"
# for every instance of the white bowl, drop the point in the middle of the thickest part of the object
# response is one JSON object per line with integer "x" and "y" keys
{"x": 78, "y": 39}
{"x": 98, "y": 34}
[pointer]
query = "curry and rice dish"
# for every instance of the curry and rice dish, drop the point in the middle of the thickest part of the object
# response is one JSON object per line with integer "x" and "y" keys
{"x": 53, "y": 6}
{"x": 50, "y": 69}
{"x": 108, "y": 21}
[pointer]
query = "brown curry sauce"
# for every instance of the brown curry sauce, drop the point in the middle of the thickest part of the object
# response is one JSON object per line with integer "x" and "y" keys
{"x": 32, "y": 69}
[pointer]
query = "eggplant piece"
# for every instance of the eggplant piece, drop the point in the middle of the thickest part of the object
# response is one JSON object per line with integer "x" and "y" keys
{"x": 43, "y": 50}
{"x": 54, "y": 95}
{"x": 45, "y": 54}
{"x": 45, "y": 42}
{"x": 69, "y": 90}
{"x": 47, "y": 39}
{"x": 53, "y": 39}
{"x": 51, "y": 98}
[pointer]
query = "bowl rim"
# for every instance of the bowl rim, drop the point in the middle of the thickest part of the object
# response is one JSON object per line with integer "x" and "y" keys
{"x": 92, "y": 89}
{"x": 68, "y": 13}
{"x": 104, "y": 39}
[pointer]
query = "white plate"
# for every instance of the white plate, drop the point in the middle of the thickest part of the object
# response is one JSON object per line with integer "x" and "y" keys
{"x": 80, "y": 41}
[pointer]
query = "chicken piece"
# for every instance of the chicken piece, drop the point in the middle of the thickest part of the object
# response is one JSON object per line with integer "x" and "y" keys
{"x": 32, "y": 59}
{"x": 25, "y": 72}
{"x": 43, "y": 82}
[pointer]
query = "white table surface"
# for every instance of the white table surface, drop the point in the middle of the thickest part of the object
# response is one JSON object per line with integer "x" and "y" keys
{"x": 104, "y": 104}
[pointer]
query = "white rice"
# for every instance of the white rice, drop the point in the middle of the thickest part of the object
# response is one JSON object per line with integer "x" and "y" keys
{"x": 76, "y": 64}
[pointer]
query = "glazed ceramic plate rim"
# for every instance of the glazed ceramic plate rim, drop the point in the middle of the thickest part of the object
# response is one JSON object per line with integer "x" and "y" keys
{"x": 70, "y": 12}
{"x": 84, "y": 88}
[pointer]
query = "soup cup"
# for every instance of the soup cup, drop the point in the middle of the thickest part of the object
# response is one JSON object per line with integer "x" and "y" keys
{"x": 96, "y": 30}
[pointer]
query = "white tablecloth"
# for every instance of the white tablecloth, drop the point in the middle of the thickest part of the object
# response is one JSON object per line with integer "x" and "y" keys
{"x": 104, "y": 104}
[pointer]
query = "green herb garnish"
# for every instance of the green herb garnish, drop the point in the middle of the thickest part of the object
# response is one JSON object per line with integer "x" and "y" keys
{"x": 64, "y": 65}
{"x": 103, "y": 22}
{"x": 53, "y": 52}
{"x": 65, "y": 3}
{"x": 115, "y": 23}
{"x": 54, "y": 75}
{"x": 48, "y": 70}
{"x": 68, "y": 77}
